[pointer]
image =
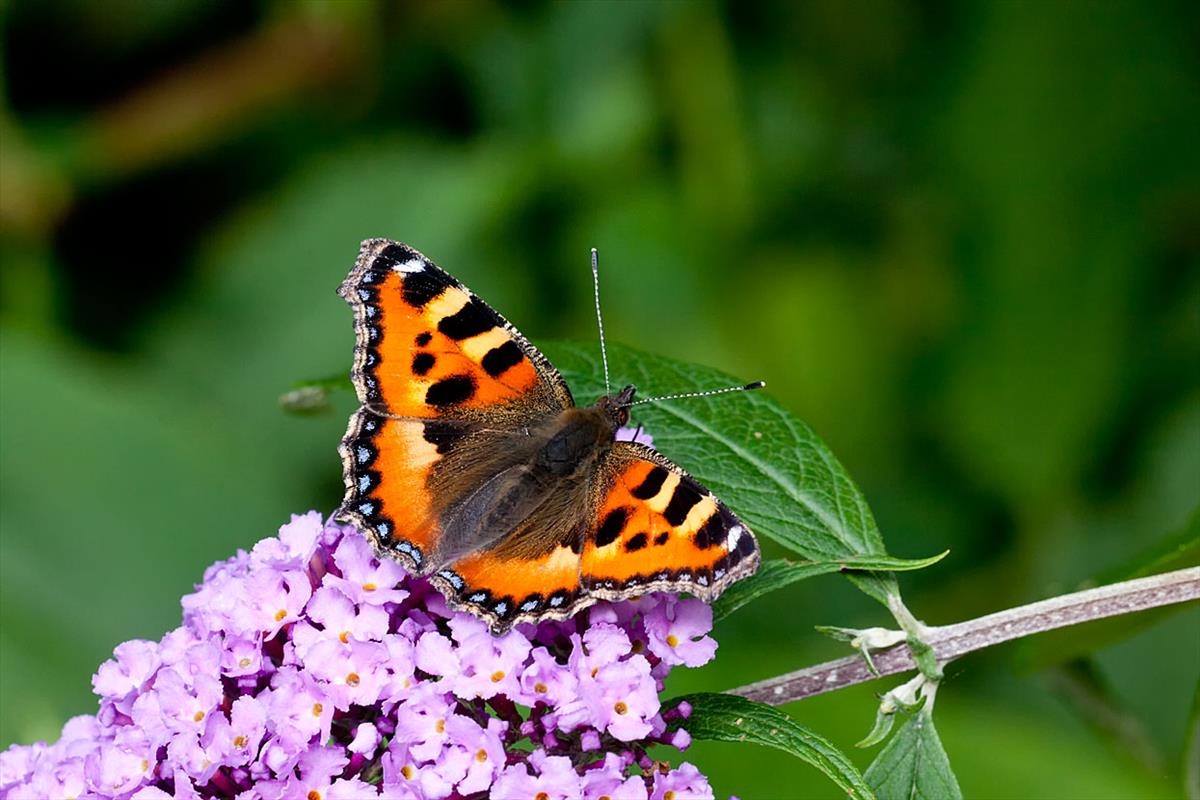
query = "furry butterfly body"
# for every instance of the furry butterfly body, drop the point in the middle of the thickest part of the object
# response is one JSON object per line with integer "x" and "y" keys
{"x": 469, "y": 462}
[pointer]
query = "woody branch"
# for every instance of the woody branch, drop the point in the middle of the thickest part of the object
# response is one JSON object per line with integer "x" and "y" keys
{"x": 952, "y": 641}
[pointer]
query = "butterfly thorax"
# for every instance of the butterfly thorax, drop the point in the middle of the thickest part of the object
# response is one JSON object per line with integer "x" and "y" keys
{"x": 581, "y": 436}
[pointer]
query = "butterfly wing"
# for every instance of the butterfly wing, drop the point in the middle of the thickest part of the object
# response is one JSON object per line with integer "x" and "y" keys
{"x": 642, "y": 525}
{"x": 657, "y": 529}
{"x": 532, "y": 575}
{"x": 442, "y": 378}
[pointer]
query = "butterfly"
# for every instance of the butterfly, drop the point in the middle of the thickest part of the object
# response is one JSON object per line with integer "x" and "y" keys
{"x": 469, "y": 462}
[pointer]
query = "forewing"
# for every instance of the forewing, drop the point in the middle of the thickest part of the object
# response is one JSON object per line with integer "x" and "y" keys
{"x": 428, "y": 347}
{"x": 441, "y": 377}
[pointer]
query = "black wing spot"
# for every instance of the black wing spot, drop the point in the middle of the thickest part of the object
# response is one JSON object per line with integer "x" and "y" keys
{"x": 422, "y": 287}
{"x": 450, "y": 391}
{"x": 636, "y": 543}
{"x": 471, "y": 320}
{"x": 441, "y": 435}
{"x": 611, "y": 527}
{"x": 423, "y": 338}
{"x": 745, "y": 545}
{"x": 399, "y": 253}
{"x": 711, "y": 533}
{"x": 682, "y": 500}
{"x": 422, "y": 363}
{"x": 499, "y": 359}
{"x": 661, "y": 539}
{"x": 651, "y": 485}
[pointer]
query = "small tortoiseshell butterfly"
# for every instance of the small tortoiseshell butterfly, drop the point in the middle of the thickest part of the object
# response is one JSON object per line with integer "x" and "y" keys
{"x": 470, "y": 463}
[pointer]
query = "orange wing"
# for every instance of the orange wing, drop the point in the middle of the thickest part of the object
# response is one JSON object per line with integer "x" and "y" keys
{"x": 657, "y": 529}
{"x": 428, "y": 347}
{"x": 435, "y": 368}
{"x": 505, "y": 591}
{"x": 649, "y": 527}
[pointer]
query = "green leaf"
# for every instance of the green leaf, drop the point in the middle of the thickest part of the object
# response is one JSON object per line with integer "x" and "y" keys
{"x": 766, "y": 464}
{"x": 773, "y": 574}
{"x": 1181, "y": 549}
{"x": 778, "y": 573}
{"x": 728, "y": 718}
{"x": 914, "y": 765}
{"x": 1178, "y": 551}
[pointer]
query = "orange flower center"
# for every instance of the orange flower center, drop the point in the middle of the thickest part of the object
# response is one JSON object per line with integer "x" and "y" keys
{"x": 369, "y": 587}
{"x": 199, "y": 716}
{"x": 441, "y": 726}
{"x": 243, "y": 662}
{"x": 497, "y": 676}
{"x": 407, "y": 771}
{"x": 239, "y": 742}
{"x": 481, "y": 756}
{"x": 352, "y": 679}
{"x": 672, "y": 641}
{"x": 313, "y": 795}
{"x": 280, "y": 614}
{"x": 669, "y": 794}
{"x": 542, "y": 796}
{"x": 345, "y": 637}
{"x": 318, "y": 709}
{"x": 620, "y": 707}
{"x": 540, "y": 688}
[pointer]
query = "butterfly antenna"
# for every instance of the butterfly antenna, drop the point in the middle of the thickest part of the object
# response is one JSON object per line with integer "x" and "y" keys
{"x": 748, "y": 387}
{"x": 599, "y": 319}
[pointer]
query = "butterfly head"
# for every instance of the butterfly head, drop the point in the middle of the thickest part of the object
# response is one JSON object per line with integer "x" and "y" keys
{"x": 615, "y": 407}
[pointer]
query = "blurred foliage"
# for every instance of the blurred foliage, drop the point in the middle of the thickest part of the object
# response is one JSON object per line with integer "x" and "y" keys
{"x": 959, "y": 239}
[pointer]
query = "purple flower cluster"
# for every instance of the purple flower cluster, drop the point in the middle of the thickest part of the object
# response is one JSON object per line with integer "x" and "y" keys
{"x": 309, "y": 669}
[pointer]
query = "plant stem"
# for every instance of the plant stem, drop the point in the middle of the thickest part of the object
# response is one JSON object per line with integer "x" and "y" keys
{"x": 952, "y": 641}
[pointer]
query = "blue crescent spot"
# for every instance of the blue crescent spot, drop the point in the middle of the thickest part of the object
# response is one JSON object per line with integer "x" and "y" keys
{"x": 452, "y": 577}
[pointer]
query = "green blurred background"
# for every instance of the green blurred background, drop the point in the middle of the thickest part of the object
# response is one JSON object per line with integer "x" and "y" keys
{"x": 960, "y": 239}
